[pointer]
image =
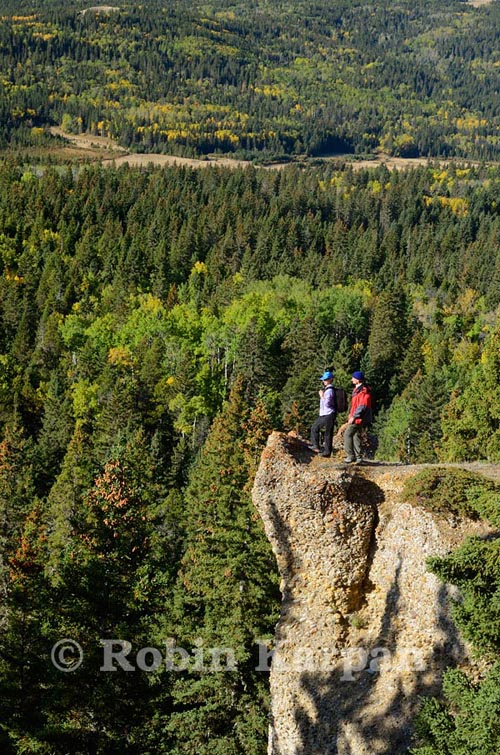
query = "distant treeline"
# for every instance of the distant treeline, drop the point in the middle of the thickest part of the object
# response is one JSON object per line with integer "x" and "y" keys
{"x": 267, "y": 79}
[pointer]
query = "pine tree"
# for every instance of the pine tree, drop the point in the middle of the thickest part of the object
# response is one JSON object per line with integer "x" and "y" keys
{"x": 17, "y": 489}
{"x": 111, "y": 576}
{"x": 66, "y": 495}
{"x": 305, "y": 362}
{"x": 258, "y": 361}
{"x": 389, "y": 334}
{"x": 466, "y": 717}
{"x": 55, "y": 434}
{"x": 226, "y": 593}
{"x": 471, "y": 419}
{"x": 27, "y": 604}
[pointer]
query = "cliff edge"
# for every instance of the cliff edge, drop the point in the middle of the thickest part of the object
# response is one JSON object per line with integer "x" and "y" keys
{"x": 364, "y": 627}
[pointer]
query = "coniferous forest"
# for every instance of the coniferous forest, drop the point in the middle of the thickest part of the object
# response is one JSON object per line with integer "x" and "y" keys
{"x": 156, "y": 325}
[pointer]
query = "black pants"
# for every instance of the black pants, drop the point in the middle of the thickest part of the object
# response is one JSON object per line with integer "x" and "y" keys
{"x": 328, "y": 422}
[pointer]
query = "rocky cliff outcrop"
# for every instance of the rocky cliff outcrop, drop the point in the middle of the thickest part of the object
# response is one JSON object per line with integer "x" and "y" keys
{"x": 364, "y": 628}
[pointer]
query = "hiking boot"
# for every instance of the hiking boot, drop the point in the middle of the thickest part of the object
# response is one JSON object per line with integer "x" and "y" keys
{"x": 349, "y": 460}
{"x": 325, "y": 456}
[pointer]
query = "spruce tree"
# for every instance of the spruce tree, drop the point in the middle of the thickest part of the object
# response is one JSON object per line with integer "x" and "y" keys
{"x": 389, "y": 335}
{"x": 226, "y": 594}
{"x": 26, "y": 607}
{"x": 17, "y": 489}
{"x": 465, "y": 719}
{"x": 111, "y": 572}
{"x": 470, "y": 422}
{"x": 305, "y": 362}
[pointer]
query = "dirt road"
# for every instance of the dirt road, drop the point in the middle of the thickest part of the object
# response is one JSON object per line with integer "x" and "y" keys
{"x": 110, "y": 153}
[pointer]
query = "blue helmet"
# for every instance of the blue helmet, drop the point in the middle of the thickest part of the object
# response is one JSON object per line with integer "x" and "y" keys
{"x": 328, "y": 375}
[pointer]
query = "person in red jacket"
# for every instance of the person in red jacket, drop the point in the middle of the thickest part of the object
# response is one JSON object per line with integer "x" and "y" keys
{"x": 360, "y": 415}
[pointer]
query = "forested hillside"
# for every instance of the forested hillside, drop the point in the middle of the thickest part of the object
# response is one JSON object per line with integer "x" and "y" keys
{"x": 266, "y": 79}
{"x": 155, "y": 326}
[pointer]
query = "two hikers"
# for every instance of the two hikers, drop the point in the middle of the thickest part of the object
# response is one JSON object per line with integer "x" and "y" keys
{"x": 360, "y": 415}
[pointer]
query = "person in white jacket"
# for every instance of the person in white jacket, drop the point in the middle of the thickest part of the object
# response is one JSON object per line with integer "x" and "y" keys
{"x": 327, "y": 415}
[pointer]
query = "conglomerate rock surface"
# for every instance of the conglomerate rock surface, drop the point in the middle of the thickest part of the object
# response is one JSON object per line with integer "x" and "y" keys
{"x": 364, "y": 627}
